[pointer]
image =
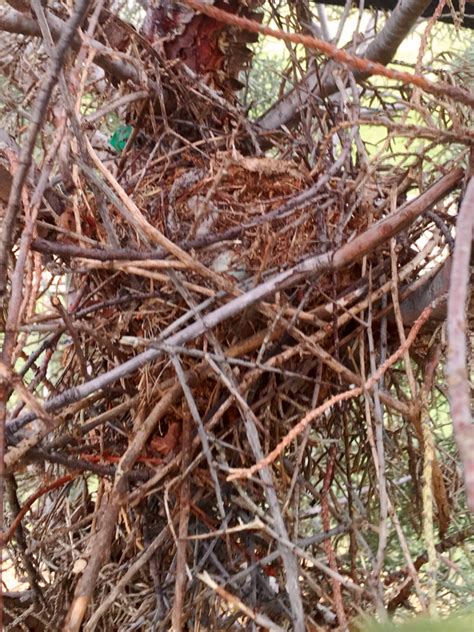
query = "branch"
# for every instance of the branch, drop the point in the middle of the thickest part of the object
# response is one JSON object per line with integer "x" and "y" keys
{"x": 5, "y": 537}
{"x": 390, "y": 5}
{"x": 329, "y": 403}
{"x": 447, "y": 543}
{"x": 456, "y": 369}
{"x": 360, "y": 64}
{"x": 99, "y": 546}
{"x": 380, "y": 51}
{"x": 15, "y": 22}
{"x": 37, "y": 118}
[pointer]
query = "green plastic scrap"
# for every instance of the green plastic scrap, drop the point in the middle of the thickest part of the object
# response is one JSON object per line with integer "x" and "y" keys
{"x": 119, "y": 138}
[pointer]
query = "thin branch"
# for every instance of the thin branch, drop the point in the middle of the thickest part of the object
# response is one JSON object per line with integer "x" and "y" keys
{"x": 329, "y": 403}
{"x": 378, "y": 53}
{"x": 177, "y": 616}
{"x": 289, "y": 560}
{"x": 201, "y": 430}
{"x": 15, "y": 22}
{"x": 38, "y": 116}
{"x": 5, "y": 537}
{"x": 354, "y": 62}
{"x": 99, "y": 546}
{"x": 108, "y": 601}
{"x": 233, "y": 602}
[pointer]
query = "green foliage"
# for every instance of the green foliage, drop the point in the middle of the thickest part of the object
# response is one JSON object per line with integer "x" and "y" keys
{"x": 455, "y": 623}
{"x": 264, "y": 79}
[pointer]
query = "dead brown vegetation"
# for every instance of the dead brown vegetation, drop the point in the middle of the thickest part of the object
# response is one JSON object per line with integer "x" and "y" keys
{"x": 221, "y": 376}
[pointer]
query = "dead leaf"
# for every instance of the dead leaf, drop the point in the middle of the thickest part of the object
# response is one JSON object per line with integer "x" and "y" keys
{"x": 167, "y": 444}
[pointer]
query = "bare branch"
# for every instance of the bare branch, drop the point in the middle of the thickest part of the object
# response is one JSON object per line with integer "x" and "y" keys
{"x": 37, "y": 118}
{"x": 381, "y": 51}
{"x": 15, "y": 22}
{"x": 456, "y": 369}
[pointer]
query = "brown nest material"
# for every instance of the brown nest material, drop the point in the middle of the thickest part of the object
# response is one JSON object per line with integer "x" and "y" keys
{"x": 147, "y": 529}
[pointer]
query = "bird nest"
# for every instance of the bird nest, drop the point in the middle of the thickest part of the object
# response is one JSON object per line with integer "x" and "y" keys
{"x": 223, "y": 389}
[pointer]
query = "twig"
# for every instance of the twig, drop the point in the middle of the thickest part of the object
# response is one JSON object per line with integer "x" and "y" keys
{"x": 234, "y": 602}
{"x": 134, "y": 568}
{"x": 16, "y": 22}
{"x": 177, "y": 615}
{"x": 444, "y": 545}
{"x": 201, "y": 431}
{"x": 290, "y": 563}
{"x": 427, "y": 511}
{"x": 99, "y": 547}
{"x": 5, "y": 537}
{"x": 335, "y": 399}
{"x": 56, "y": 302}
{"x": 327, "y": 544}
{"x": 37, "y": 118}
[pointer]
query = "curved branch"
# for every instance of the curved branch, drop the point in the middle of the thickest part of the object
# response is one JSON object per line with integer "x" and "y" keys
{"x": 397, "y": 27}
